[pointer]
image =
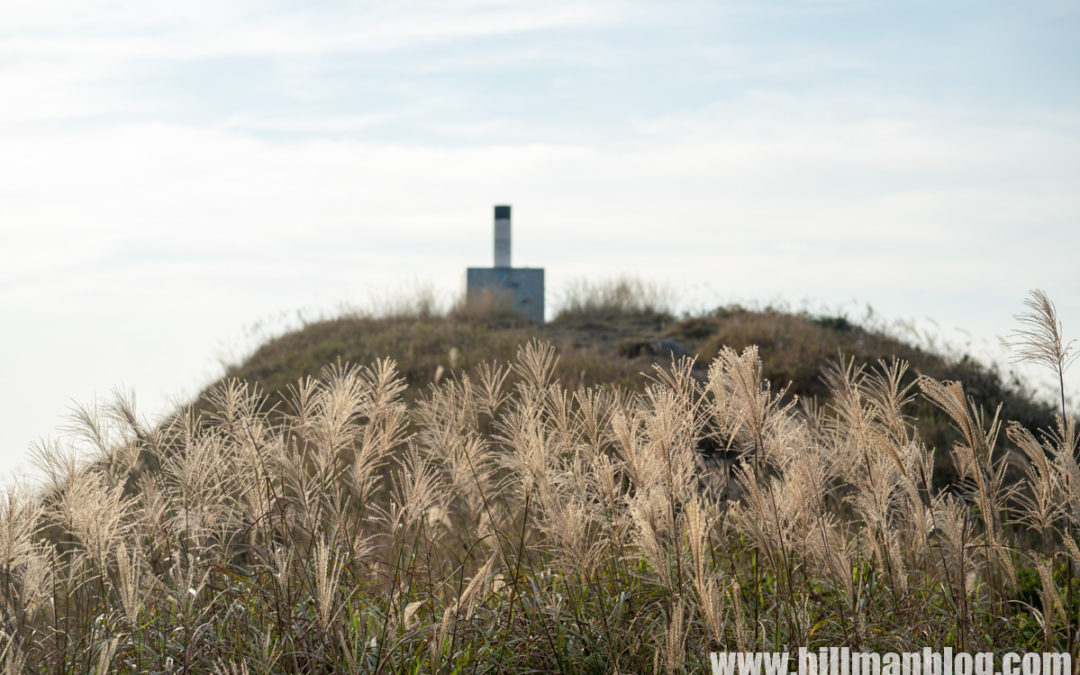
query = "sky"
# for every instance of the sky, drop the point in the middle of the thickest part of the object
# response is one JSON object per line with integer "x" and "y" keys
{"x": 180, "y": 180}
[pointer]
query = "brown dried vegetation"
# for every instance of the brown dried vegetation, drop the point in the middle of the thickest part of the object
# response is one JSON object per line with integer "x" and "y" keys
{"x": 501, "y": 521}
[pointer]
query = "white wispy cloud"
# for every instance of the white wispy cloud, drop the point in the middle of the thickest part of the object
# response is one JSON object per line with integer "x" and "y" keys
{"x": 209, "y": 30}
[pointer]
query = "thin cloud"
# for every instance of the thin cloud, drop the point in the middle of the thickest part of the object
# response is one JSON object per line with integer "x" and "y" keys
{"x": 249, "y": 32}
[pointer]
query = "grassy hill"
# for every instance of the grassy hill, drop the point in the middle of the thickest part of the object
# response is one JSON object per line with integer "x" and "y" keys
{"x": 522, "y": 498}
{"x": 607, "y": 336}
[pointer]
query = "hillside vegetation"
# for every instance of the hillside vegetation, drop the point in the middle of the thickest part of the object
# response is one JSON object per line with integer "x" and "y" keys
{"x": 498, "y": 497}
{"x": 614, "y": 334}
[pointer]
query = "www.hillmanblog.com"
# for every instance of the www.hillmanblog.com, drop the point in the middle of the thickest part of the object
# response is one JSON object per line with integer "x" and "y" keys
{"x": 843, "y": 661}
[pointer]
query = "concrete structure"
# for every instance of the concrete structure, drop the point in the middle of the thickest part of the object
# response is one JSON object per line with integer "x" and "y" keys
{"x": 502, "y": 236}
{"x": 521, "y": 287}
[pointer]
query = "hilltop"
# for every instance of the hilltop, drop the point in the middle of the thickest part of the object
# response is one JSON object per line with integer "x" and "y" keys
{"x": 615, "y": 335}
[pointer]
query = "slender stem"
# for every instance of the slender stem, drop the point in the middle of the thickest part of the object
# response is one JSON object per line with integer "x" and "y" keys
{"x": 1070, "y": 612}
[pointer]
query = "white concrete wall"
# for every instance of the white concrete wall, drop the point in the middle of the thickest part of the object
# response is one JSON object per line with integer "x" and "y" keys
{"x": 502, "y": 242}
{"x": 523, "y": 287}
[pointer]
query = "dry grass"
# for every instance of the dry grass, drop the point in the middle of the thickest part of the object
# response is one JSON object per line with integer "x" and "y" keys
{"x": 615, "y": 298}
{"x": 486, "y": 306}
{"x": 500, "y": 521}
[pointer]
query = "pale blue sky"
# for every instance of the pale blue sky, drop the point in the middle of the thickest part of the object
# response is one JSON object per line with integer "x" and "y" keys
{"x": 174, "y": 173}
